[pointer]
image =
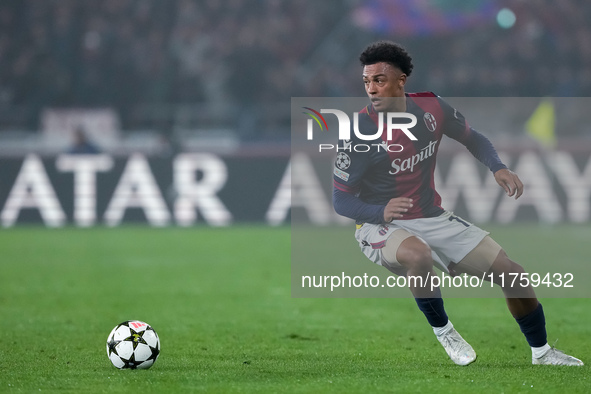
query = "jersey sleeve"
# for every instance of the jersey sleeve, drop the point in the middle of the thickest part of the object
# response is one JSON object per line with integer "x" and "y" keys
{"x": 457, "y": 127}
{"x": 351, "y": 206}
{"x": 349, "y": 169}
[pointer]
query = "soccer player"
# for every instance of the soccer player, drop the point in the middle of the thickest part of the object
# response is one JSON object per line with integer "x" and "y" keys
{"x": 400, "y": 222}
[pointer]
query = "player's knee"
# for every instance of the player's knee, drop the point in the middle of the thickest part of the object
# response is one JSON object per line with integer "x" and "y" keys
{"x": 416, "y": 258}
{"x": 504, "y": 265}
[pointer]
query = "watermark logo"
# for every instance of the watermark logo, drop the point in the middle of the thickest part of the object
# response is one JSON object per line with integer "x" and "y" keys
{"x": 315, "y": 115}
{"x": 344, "y": 129}
{"x": 345, "y": 124}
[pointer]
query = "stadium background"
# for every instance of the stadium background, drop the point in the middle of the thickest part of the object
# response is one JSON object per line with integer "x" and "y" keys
{"x": 189, "y": 104}
{"x": 160, "y": 80}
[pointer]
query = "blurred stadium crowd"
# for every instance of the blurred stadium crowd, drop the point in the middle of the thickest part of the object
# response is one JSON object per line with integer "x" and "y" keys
{"x": 134, "y": 54}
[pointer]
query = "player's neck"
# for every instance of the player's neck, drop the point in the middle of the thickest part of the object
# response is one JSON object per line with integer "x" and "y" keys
{"x": 397, "y": 104}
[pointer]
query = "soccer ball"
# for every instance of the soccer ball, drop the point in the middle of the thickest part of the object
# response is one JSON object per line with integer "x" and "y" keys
{"x": 133, "y": 344}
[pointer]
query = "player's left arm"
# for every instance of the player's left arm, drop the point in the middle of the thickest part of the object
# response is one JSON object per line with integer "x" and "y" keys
{"x": 510, "y": 182}
{"x": 482, "y": 149}
{"x": 485, "y": 152}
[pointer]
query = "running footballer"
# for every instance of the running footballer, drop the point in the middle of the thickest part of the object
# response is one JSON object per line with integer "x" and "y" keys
{"x": 401, "y": 224}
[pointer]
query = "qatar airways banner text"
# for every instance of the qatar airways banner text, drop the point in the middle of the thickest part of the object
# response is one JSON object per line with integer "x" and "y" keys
{"x": 202, "y": 188}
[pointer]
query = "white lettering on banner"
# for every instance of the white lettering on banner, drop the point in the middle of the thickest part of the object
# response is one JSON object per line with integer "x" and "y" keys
{"x": 137, "y": 188}
{"x": 85, "y": 168}
{"x": 464, "y": 178}
{"x": 538, "y": 192}
{"x": 576, "y": 185}
{"x": 32, "y": 189}
{"x": 556, "y": 188}
{"x": 299, "y": 187}
{"x": 200, "y": 194}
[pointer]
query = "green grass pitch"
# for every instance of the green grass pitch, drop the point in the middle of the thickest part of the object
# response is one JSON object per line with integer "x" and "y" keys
{"x": 220, "y": 299}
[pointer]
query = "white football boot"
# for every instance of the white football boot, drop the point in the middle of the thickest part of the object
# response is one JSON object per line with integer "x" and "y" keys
{"x": 457, "y": 348}
{"x": 556, "y": 357}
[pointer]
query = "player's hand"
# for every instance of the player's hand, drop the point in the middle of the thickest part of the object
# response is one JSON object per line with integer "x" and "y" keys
{"x": 509, "y": 181}
{"x": 396, "y": 208}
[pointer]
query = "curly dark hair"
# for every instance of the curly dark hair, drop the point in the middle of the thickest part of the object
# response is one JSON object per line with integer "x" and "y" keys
{"x": 388, "y": 52}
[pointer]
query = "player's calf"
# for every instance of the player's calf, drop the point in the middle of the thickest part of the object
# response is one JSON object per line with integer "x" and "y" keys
{"x": 507, "y": 274}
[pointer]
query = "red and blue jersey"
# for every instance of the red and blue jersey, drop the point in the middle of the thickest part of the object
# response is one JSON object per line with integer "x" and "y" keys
{"x": 366, "y": 179}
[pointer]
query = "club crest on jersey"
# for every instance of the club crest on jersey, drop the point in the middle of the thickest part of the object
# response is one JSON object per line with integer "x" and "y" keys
{"x": 343, "y": 161}
{"x": 430, "y": 121}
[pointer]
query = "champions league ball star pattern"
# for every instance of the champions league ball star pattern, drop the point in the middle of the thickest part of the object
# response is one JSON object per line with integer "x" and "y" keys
{"x": 343, "y": 161}
{"x": 133, "y": 344}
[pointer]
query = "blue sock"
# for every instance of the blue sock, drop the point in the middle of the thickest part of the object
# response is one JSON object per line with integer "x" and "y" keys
{"x": 433, "y": 310}
{"x": 533, "y": 326}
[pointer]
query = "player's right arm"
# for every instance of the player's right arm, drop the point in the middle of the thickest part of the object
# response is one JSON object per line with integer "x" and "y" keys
{"x": 349, "y": 171}
{"x": 348, "y": 205}
{"x": 396, "y": 208}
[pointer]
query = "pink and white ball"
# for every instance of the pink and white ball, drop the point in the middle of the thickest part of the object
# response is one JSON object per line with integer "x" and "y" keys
{"x": 133, "y": 344}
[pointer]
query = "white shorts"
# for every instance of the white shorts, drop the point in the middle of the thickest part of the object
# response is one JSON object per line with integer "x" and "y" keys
{"x": 450, "y": 237}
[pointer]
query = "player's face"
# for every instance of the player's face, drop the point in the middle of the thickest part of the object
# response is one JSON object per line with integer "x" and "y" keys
{"x": 382, "y": 80}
